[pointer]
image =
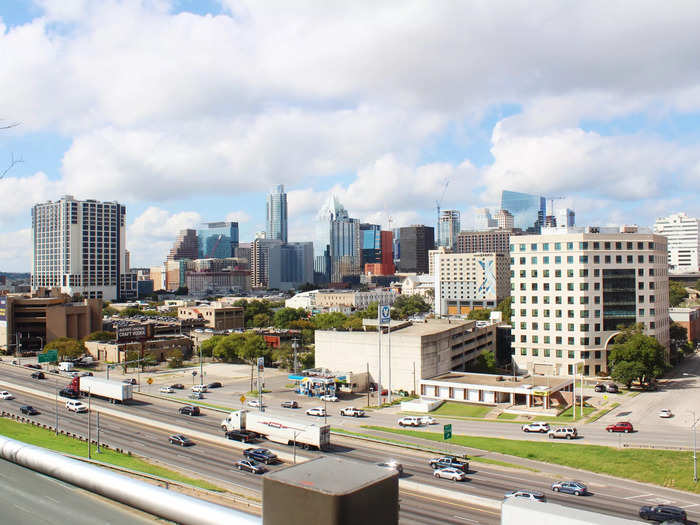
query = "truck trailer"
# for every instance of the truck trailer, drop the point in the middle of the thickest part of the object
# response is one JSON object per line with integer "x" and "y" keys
{"x": 115, "y": 391}
{"x": 285, "y": 431}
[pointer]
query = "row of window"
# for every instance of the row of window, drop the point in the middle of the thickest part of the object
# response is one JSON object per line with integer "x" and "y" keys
{"x": 571, "y": 314}
{"x": 583, "y": 259}
{"x": 570, "y": 273}
{"x": 584, "y": 245}
{"x": 558, "y": 299}
{"x": 561, "y": 354}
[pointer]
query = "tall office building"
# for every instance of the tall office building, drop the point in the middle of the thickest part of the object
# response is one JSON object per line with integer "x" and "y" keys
{"x": 416, "y": 242}
{"x": 566, "y": 218}
{"x": 483, "y": 220}
{"x": 573, "y": 287}
{"x": 683, "y": 234}
{"x": 528, "y": 210}
{"x": 371, "y": 243}
{"x": 79, "y": 247}
{"x": 296, "y": 265}
{"x": 265, "y": 263}
{"x": 448, "y": 228}
{"x": 337, "y": 252}
{"x": 504, "y": 220}
{"x": 277, "y": 214}
{"x": 484, "y": 241}
{"x": 186, "y": 246}
{"x": 217, "y": 240}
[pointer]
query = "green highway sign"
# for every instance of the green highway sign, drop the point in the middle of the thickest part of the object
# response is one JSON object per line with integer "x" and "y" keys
{"x": 446, "y": 432}
{"x": 50, "y": 356}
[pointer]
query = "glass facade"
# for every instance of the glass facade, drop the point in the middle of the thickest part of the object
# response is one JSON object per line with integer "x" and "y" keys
{"x": 217, "y": 240}
{"x": 277, "y": 214}
{"x": 337, "y": 244}
{"x": 619, "y": 298}
{"x": 448, "y": 229}
{"x": 528, "y": 211}
{"x": 371, "y": 243}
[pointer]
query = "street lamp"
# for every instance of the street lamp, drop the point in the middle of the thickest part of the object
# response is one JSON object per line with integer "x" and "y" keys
{"x": 325, "y": 412}
{"x": 693, "y": 427}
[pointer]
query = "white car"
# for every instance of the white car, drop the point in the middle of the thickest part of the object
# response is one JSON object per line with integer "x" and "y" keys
{"x": 316, "y": 411}
{"x": 450, "y": 473}
{"x": 167, "y": 390}
{"x": 199, "y": 388}
{"x": 665, "y": 412}
{"x": 6, "y": 395}
{"x": 411, "y": 421}
{"x": 536, "y": 426}
{"x": 330, "y": 398}
{"x": 255, "y": 403}
{"x": 429, "y": 420}
{"x": 76, "y": 406}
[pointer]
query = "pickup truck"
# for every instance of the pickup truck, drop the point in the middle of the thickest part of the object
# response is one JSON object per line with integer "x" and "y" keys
{"x": 450, "y": 461}
{"x": 244, "y": 436}
{"x": 352, "y": 411}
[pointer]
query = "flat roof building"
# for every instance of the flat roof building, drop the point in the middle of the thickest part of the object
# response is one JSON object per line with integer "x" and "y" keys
{"x": 216, "y": 316}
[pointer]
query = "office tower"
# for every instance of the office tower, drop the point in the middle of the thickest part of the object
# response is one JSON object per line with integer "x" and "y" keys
{"x": 297, "y": 264}
{"x": 484, "y": 241}
{"x": 337, "y": 244}
{"x": 416, "y": 242}
{"x": 371, "y": 244}
{"x": 683, "y": 234}
{"x": 217, "y": 240}
{"x": 465, "y": 281}
{"x": 565, "y": 218}
{"x": 573, "y": 287}
{"x": 385, "y": 266}
{"x": 265, "y": 263}
{"x": 79, "y": 247}
{"x": 186, "y": 246}
{"x": 504, "y": 220}
{"x": 449, "y": 226}
{"x": 277, "y": 214}
{"x": 483, "y": 220}
{"x": 528, "y": 210}
{"x": 242, "y": 251}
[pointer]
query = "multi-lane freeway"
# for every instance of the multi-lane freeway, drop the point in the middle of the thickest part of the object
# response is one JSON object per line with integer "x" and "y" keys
{"x": 215, "y": 462}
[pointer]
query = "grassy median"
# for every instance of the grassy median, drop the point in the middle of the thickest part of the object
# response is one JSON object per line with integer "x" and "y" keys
{"x": 45, "y": 438}
{"x": 667, "y": 468}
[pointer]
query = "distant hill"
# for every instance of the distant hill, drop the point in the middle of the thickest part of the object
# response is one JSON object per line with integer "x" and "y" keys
{"x": 16, "y": 276}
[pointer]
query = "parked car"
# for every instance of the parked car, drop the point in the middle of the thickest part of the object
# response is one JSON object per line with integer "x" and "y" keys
{"x": 261, "y": 454}
{"x": 178, "y": 386}
{"x": 129, "y": 381}
{"x": 329, "y": 398}
{"x": 533, "y": 495}
{"x": 352, "y": 412}
{"x": 38, "y": 375}
{"x": 189, "y": 410}
{"x": 179, "y": 439}
{"x": 392, "y": 465}
{"x": 316, "y": 411}
{"x": 6, "y": 395}
{"x": 28, "y": 410}
{"x": 449, "y": 462}
{"x": 611, "y": 388}
{"x": 255, "y": 403}
{"x": 665, "y": 412}
{"x": 215, "y": 384}
{"x": 289, "y": 404}
{"x": 410, "y": 421}
{"x": 600, "y": 387}
{"x": 663, "y": 513}
{"x": 167, "y": 390}
{"x": 563, "y": 433}
{"x": 450, "y": 473}
{"x": 242, "y": 435}
{"x": 620, "y": 426}
{"x": 250, "y": 466}
{"x": 536, "y": 426}
{"x": 570, "y": 487}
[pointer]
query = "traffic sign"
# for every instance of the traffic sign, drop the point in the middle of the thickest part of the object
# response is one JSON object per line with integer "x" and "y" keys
{"x": 261, "y": 363}
{"x": 384, "y": 314}
{"x": 149, "y": 380}
{"x": 242, "y": 399}
{"x": 50, "y": 356}
{"x": 194, "y": 373}
{"x": 446, "y": 432}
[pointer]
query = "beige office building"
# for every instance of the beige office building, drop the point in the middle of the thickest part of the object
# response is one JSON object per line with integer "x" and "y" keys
{"x": 217, "y": 316}
{"x": 573, "y": 287}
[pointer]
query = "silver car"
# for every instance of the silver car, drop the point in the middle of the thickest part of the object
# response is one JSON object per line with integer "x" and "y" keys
{"x": 392, "y": 465}
{"x": 533, "y": 495}
{"x": 450, "y": 473}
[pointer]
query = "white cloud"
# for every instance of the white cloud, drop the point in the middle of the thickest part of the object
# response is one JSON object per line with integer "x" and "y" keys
{"x": 151, "y": 235}
{"x": 238, "y": 216}
{"x": 21, "y": 193}
{"x": 16, "y": 253}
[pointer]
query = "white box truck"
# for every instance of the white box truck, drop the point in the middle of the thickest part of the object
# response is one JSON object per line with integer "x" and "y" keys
{"x": 279, "y": 430}
{"x": 65, "y": 366}
{"x": 115, "y": 391}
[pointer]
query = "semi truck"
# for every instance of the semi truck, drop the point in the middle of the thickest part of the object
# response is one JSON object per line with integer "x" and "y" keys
{"x": 285, "y": 431}
{"x": 115, "y": 391}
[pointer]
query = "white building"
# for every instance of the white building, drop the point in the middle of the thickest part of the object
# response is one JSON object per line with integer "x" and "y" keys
{"x": 306, "y": 300}
{"x": 464, "y": 281}
{"x": 573, "y": 287}
{"x": 683, "y": 234}
{"x": 504, "y": 220}
{"x": 422, "y": 285}
{"x": 79, "y": 247}
{"x": 483, "y": 220}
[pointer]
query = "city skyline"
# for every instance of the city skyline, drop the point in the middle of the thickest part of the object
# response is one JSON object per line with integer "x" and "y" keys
{"x": 384, "y": 132}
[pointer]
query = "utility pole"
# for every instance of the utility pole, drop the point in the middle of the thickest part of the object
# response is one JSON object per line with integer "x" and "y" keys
{"x": 201, "y": 369}
{"x": 89, "y": 427}
{"x": 695, "y": 448}
{"x": 56, "y": 387}
{"x": 368, "y": 385}
{"x": 98, "y": 434}
{"x": 389, "y": 359}
{"x": 295, "y": 346}
{"x": 379, "y": 378}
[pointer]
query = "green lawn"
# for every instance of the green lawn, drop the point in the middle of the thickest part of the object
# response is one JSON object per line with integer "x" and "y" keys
{"x": 508, "y": 416}
{"x": 42, "y": 437}
{"x": 565, "y": 417}
{"x": 451, "y": 408}
{"x": 667, "y": 468}
{"x": 596, "y": 416}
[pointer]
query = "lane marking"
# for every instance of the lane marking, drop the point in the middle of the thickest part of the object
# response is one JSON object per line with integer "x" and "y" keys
{"x": 639, "y": 496}
{"x": 465, "y": 519}
{"x": 453, "y": 503}
{"x": 691, "y": 505}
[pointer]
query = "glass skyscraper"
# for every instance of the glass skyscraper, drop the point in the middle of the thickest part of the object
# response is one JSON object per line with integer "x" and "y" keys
{"x": 277, "y": 214}
{"x": 337, "y": 244}
{"x": 528, "y": 210}
{"x": 371, "y": 243}
{"x": 448, "y": 228}
{"x": 217, "y": 240}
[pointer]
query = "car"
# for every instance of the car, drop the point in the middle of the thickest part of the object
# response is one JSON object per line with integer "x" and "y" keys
{"x": 215, "y": 384}
{"x": 38, "y": 375}
{"x": 129, "y": 381}
{"x": 570, "y": 487}
{"x": 620, "y": 426}
{"x": 76, "y": 406}
{"x": 179, "y": 439}
{"x": 600, "y": 387}
{"x": 178, "y": 386}
{"x": 167, "y": 390}
{"x": 196, "y": 395}
{"x": 611, "y": 388}
{"x": 261, "y": 454}
{"x": 352, "y": 412}
{"x": 411, "y": 421}
{"x": 536, "y": 426}
{"x": 449, "y": 462}
{"x": 563, "y": 433}
{"x": 189, "y": 410}
{"x": 289, "y": 404}
{"x": 37, "y": 367}
{"x": 28, "y": 410}
{"x": 255, "y": 403}
{"x": 242, "y": 435}
{"x": 250, "y": 466}
{"x": 428, "y": 420}
{"x": 665, "y": 412}
{"x": 663, "y": 513}
{"x": 6, "y": 395}
{"x": 533, "y": 495}
{"x": 316, "y": 411}
{"x": 450, "y": 473}
{"x": 329, "y": 398}
{"x": 86, "y": 374}
{"x": 199, "y": 388}
{"x": 392, "y": 465}
{"x": 69, "y": 393}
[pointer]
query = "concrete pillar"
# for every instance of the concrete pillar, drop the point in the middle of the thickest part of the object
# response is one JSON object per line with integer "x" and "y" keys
{"x": 512, "y": 398}
{"x": 528, "y": 397}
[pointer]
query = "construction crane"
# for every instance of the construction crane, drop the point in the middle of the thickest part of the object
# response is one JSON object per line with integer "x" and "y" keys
{"x": 437, "y": 207}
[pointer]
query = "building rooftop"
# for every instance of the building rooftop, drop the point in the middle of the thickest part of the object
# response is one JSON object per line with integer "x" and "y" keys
{"x": 427, "y": 327}
{"x": 553, "y": 382}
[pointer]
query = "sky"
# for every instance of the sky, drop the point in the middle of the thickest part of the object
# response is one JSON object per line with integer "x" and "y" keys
{"x": 190, "y": 111}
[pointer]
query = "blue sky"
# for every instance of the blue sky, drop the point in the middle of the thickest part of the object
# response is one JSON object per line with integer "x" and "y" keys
{"x": 189, "y": 111}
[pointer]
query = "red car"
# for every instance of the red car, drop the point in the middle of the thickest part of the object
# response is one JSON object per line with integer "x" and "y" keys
{"x": 620, "y": 426}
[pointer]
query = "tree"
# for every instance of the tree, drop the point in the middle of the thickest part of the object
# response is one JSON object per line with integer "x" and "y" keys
{"x": 406, "y": 306}
{"x": 109, "y": 311}
{"x": 329, "y": 321}
{"x": 207, "y": 346}
{"x": 353, "y": 324}
{"x": 130, "y": 312}
{"x": 182, "y": 290}
{"x": 261, "y": 321}
{"x": 131, "y": 355}
{"x": 175, "y": 360}
{"x": 626, "y": 372}
{"x": 678, "y": 332}
{"x": 506, "y": 308}
{"x": 479, "y": 314}
{"x": 636, "y": 356}
{"x": 228, "y": 348}
{"x": 485, "y": 363}
{"x": 284, "y": 316}
{"x": 100, "y": 335}
{"x": 67, "y": 347}
{"x": 676, "y": 293}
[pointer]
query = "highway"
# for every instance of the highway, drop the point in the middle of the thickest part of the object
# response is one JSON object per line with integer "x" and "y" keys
{"x": 214, "y": 462}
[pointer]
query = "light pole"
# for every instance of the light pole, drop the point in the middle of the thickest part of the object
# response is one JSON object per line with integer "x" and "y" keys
{"x": 296, "y": 433}
{"x": 695, "y": 447}
{"x": 325, "y": 412}
{"x": 56, "y": 387}
{"x": 201, "y": 370}
{"x": 89, "y": 427}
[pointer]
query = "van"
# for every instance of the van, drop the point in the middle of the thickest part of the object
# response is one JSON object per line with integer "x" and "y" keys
{"x": 76, "y": 406}
{"x": 65, "y": 366}
{"x": 199, "y": 388}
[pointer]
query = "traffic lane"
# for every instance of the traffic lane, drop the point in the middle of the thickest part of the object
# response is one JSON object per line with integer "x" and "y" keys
{"x": 425, "y": 509}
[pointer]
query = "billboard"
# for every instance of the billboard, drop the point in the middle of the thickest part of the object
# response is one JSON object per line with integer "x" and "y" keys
{"x": 3, "y": 312}
{"x": 133, "y": 332}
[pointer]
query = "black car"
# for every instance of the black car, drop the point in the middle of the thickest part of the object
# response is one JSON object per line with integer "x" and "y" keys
{"x": 612, "y": 388}
{"x": 178, "y": 386}
{"x": 450, "y": 461}
{"x": 242, "y": 435}
{"x": 250, "y": 466}
{"x": 262, "y": 455}
{"x": 129, "y": 381}
{"x": 38, "y": 375}
{"x": 29, "y": 410}
{"x": 600, "y": 387}
{"x": 663, "y": 513}
{"x": 289, "y": 404}
{"x": 69, "y": 393}
{"x": 179, "y": 439}
{"x": 37, "y": 367}
{"x": 215, "y": 384}
{"x": 86, "y": 374}
{"x": 189, "y": 410}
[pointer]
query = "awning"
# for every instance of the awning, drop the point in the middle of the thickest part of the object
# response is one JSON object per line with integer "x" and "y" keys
{"x": 295, "y": 377}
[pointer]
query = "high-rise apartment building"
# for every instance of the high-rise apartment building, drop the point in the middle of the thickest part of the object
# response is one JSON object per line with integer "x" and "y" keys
{"x": 186, "y": 246}
{"x": 483, "y": 241}
{"x": 573, "y": 287}
{"x": 504, "y": 220}
{"x": 277, "y": 214}
{"x": 528, "y": 210}
{"x": 683, "y": 234}
{"x": 79, "y": 247}
{"x": 265, "y": 263}
{"x": 217, "y": 240}
{"x": 465, "y": 281}
{"x": 416, "y": 241}
{"x": 448, "y": 228}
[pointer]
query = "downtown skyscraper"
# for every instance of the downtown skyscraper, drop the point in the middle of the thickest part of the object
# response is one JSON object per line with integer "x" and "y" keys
{"x": 337, "y": 247}
{"x": 277, "y": 214}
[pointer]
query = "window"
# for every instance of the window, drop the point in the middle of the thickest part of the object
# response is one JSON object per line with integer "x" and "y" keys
{"x": 652, "y": 311}
{"x": 545, "y": 273}
{"x": 523, "y": 286}
{"x": 533, "y": 260}
{"x": 557, "y": 273}
{"x": 583, "y": 300}
{"x": 652, "y": 325}
{"x": 597, "y": 327}
{"x": 570, "y": 287}
{"x": 641, "y": 312}
{"x": 522, "y": 260}
{"x": 640, "y": 285}
{"x": 523, "y": 326}
{"x": 584, "y": 314}
{"x": 557, "y": 287}
{"x": 652, "y": 298}
{"x": 534, "y": 286}
{"x": 545, "y": 287}
{"x": 585, "y": 327}
{"x": 535, "y": 351}
{"x": 597, "y": 354}
{"x": 533, "y": 247}
{"x": 557, "y": 259}
{"x": 618, "y": 259}
{"x": 557, "y": 246}
{"x": 545, "y": 259}
{"x": 534, "y": 299}
{"x": 571, "y": 327}
{"x": 557, "y": 327}
{"x": 571, "y": 353}
{"x": 546, "y": 340}
{"x": 607, "y": 245}
{"x": 640, "y": 299}
{"x": 651, "y": 245}
{"x": 546, "y": 314}
{"x": 569, "y": 300}
{"x": 557, "y": 299}
{"x": 557, "y": 313}
{"x": 608, "y": 259}
{"x": 522, "y": 247}
{"x": 583, "y": 246}
{"x": 545, "y": 246}
{"x": 546, "y": 351}
{"x": 570, "y": 259}
{"x": 535, "y": 313}
{"x": 618, "y": 245}
{"x": 557, "y": 340}
{"x": 523, "y": 313}
{"x": 512, "y": 247}
{"x": 569, "y": 273}
{"x": 522, "y": 299}
{"x": 583, "y": 286}
{"x": 545, "y": 299}
{"x": 523, "y": 274}
{"x": 596, "y": 299}
{"x": 596, "y": 259}
{"x": 583, "y": 259}
{"x": 533, "y": 273}
{"x": 640, "y": 258}
{"x": 651, "y": 258}
{"x": 630, "y": 259}
{"x": 596, "y": 341}
{"x": 523, "y": 351}
{"x": 559, "y": 353}
{"x": 596, "y": 272}
{"x": 596, "y": 246}
{"x": 569, "y": 245}
{"x": 583, "y": 273}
